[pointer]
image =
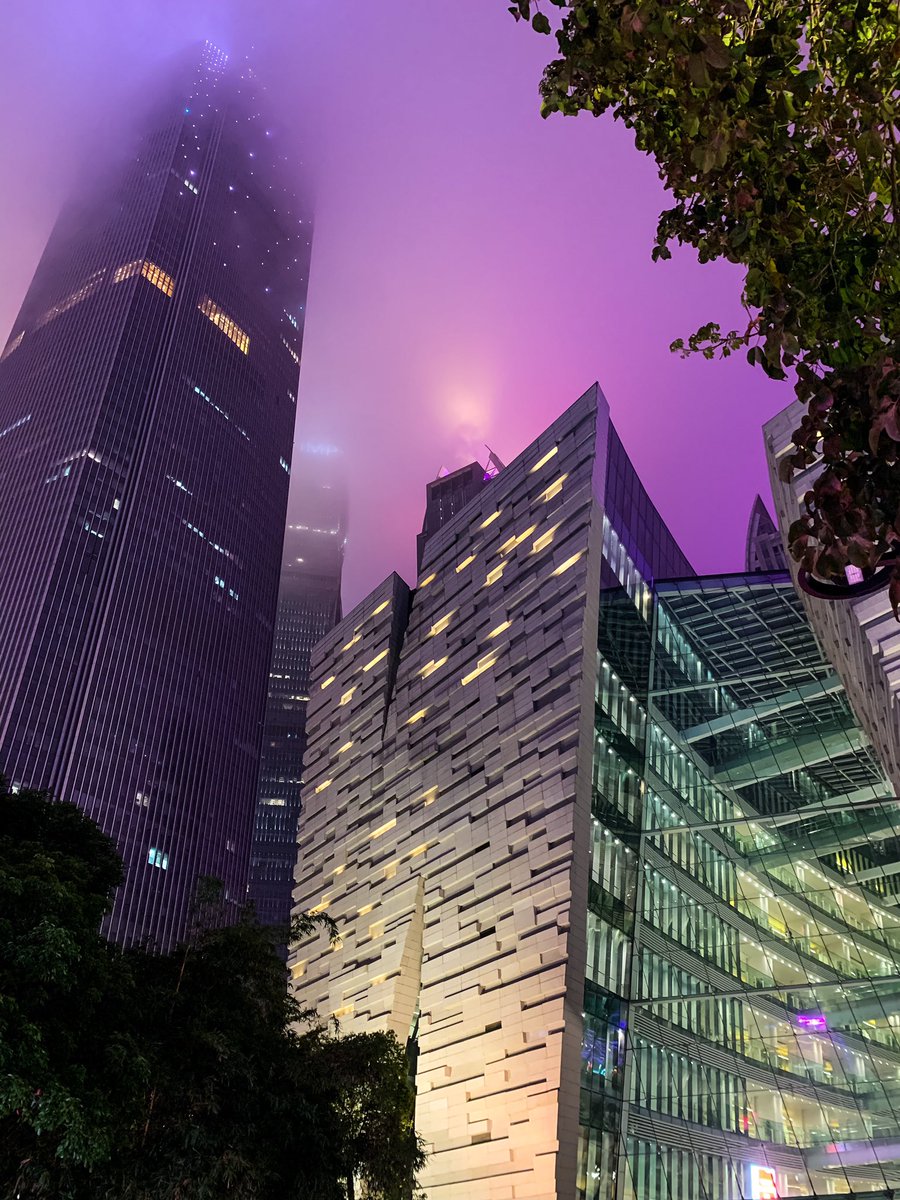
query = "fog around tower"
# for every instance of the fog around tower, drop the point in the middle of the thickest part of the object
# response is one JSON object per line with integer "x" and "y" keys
{"x": 474, "y": 268}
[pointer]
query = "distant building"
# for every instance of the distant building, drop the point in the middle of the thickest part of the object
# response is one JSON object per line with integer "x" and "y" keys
{"x": 309, "y": 605}
{"x": 765, "y": 551}
{"x": 147, "y": 402}
{"x": 451, "y": 492}
{"x": 582, "y": 820}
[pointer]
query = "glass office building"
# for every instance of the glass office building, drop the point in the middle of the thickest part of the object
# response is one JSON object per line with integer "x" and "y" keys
{"x": 147, "y": 402}
{"x": 583, "y": 820}
{"x": 309, "y": 605}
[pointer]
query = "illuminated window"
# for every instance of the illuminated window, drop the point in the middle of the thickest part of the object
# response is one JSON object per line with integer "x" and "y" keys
{"x": 545, "y": 459}
{"x": 465, "y": 562}
{"x": 285, "y": 466}
{"x": 381, "y": 607}
{"x": 382, "y": 829}
{"x": 484, "y": 664}
{"x": 191, "y": 187}
{"x": 346, "y": 746}
{"x": 366, "y": 908}
{"x": 150, "y": 271}
{"x": 441, "y": 625}
{"x": 431, "y": 667}
{"x": 158, "y": 858}
{"x": 226, "y": 324}
{"x": 493, "y": 576}
{"x": 375, "y": 661}
{"x": 428, "y": 579}
{"x": 322, "y": 786}
{"x": 320, "y": 908}
{"x": 274, "y": 802}
{"x": 15, "y": 425}
{"x": 544, "y": 540}
{"x": 352, "y": 642}
{"x": 510, "y": 544}
{"x": 344, "y": 1011}
{"x": 500, "y": 628}
{"x": 291, "y": 351}
{"x": 419, "y": 850}
{"x": 347, "y": 696}
{"x": 489, "y": 520}
{"x": 12, "y": 344}
{"x": 327, "y": 683}
{"x": 429, "y": 796}
{"x": 554, "y": 489}
{"x": 417, "y": 716}
{"x": 570, "y": 562}
{"x": 70, "y": 301}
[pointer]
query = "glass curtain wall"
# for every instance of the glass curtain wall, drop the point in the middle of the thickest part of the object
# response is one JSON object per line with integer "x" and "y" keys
{"x": 742, "y": 1004}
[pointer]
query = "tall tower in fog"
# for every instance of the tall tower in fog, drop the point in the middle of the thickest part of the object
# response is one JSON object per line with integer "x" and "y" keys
{"x": 147, "y": 405}
{"x": 309, "y": 605}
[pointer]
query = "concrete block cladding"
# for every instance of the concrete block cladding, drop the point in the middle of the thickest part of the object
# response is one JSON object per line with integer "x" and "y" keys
{"x": 147, "y": 406}
{"x": 446, "y": 800}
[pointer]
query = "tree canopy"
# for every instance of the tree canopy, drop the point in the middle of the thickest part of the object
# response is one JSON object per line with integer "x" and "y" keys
{"x": 774, "y": 124}
{"x": 188, "y": 1076}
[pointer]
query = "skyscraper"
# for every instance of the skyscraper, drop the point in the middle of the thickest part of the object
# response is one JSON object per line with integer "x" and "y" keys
{"x": 147, "y": 404}
{"x": 581, "y": 819}
{"x": 309, "y": 605}
{"x": 764, "y": 549}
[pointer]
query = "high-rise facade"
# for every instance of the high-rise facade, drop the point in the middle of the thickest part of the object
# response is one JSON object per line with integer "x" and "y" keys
{"x": 580, "y": 817}
{"x": 147, "y": 405}
{"x": 309, "y": 605}
{"x": 765, "y": 551}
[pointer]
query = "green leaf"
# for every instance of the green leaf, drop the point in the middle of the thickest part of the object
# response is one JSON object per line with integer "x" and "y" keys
{"x": 540, "y": 23}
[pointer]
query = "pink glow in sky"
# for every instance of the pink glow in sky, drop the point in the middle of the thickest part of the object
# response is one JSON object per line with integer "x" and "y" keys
{"x": 474, "y": 267}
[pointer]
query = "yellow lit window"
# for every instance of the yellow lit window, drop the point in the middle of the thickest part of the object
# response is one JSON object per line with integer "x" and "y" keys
{"x": 382, "y": 829}
{"x": 429, "y": 797}
{"x": 489, "y": 520}
{"x": 150, "y": 271}
{"x": 344, "y": 1011}
{"x": 381, "y": 607}
{"x": 570, "y": 562}
{"x": 390, "y": 870}
{"x": 510, "y": 544}
{"x": 428, "y": 579}
{"x": 323, "y": 785}
{"x": 327, "y": 683}
{"x": 441, "y": 625}
{"x": 298, "y": 969}
{"x": 375, "y": 661}
{"x": 431, "y": 667}
{"x": 226, "y": 324}
{"x": 484, "y": 664}
{"x": 347, "y": 697}
{"x": 465, "y": 562}
{"x": 544, "y": 540}
{"x": 376, "y": 929}
{"x": 155, "y": 275}
{"x": 543, "y": 460}
{"x": 352, "y": 642}
{"x": 366, "y": 908}
{"x": 340, "y": 870}
{"x": 500, "y": 628}
{"x": 493, "y": 576}
{"x": 554, "y": 489}
{"x": 419, "y": 850}
{"x": 320, "y": 908}
{"x": 417, "y": 716}
{"x": 346, "y": 746}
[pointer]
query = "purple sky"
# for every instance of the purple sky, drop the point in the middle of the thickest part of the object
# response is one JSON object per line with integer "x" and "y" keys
{"x": 474, "y": 267}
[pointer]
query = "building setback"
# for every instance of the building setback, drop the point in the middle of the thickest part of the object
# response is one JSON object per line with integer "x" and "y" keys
{"x": 309, "y": 605}
{"x": 580, "y": 831}
{"x": 147, "y": 405}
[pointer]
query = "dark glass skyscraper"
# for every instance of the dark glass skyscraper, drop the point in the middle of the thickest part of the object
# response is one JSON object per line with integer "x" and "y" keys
{"x": 147, "y": 404}
{"x": 309, "y": 605}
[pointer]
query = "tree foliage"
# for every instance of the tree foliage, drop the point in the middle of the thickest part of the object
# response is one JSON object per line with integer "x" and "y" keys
{"x": 774, "y": 127}
{"x": 188, "y": 1076}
